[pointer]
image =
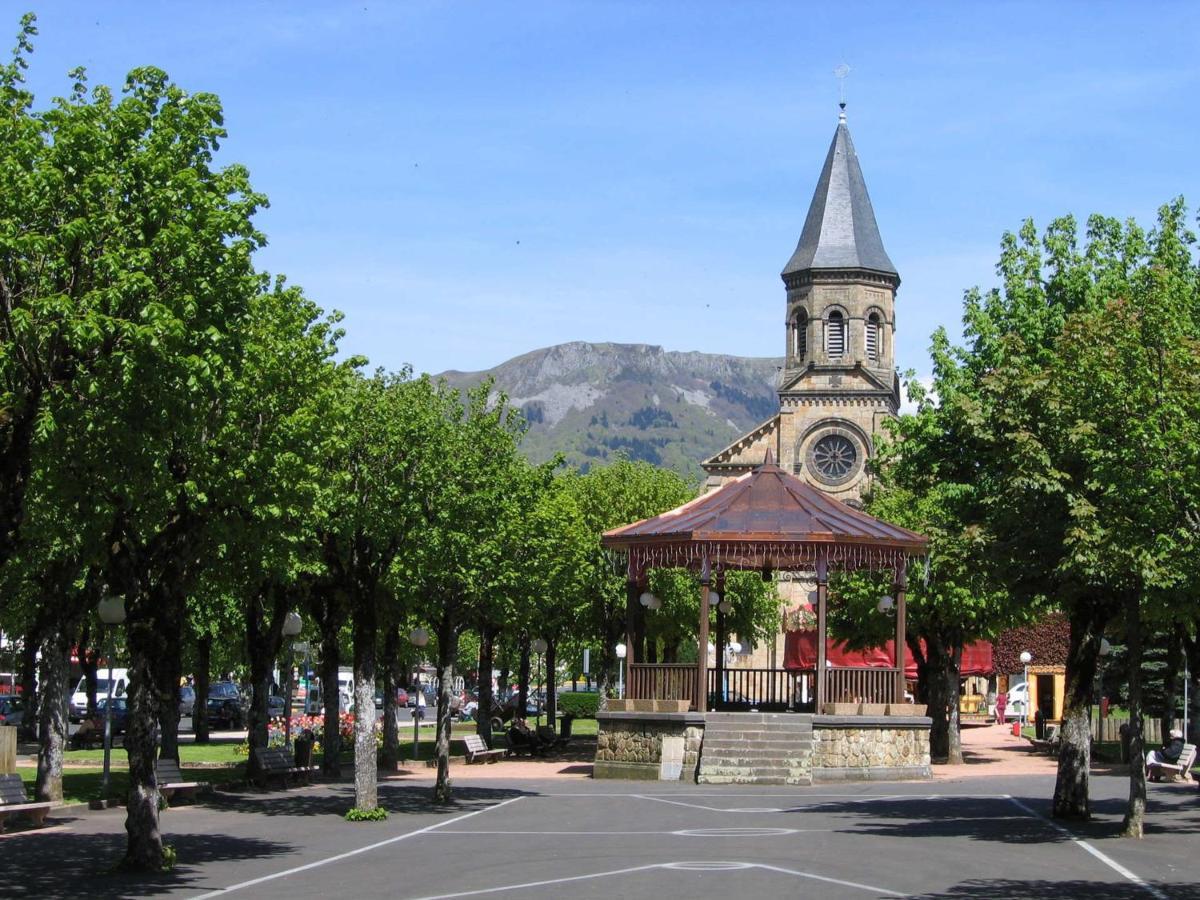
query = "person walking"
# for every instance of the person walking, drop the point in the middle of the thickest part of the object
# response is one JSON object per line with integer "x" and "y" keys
{"x": 1001, "y": 705}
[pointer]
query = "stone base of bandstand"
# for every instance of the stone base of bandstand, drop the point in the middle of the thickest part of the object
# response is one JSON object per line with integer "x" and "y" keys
{"x": 655, "y": 746}
{"x": 630, "y": 744}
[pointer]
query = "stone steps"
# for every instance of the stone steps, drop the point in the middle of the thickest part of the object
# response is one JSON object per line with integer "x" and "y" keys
{"x": 756, "y": 748}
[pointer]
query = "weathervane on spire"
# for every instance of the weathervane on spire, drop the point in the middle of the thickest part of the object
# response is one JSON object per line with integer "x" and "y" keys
{"x": 840, "y": 74}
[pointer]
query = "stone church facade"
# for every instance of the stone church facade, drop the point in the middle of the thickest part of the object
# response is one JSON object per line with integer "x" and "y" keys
{"x": 839, "y": 383}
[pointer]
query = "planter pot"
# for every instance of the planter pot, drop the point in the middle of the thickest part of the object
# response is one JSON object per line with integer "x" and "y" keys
{"x": 841, "y": 709}
{"x": 907, "y": 709}
{"x": 619, "y": 705}
{"x": 873, "y": 709}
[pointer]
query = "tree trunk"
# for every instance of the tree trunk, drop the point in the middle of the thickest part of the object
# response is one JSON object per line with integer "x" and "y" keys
{"x": 29, "y": 661}
{"x": 551, "y": 683}
{"x": 331, "y": 739}
{"x": 265, "y": 613}
{"x": 942, "y": 689}
{"x": 144, "y": 846}
{"x": 366, "y": 753}
{"x": 954, "y": 755}
{"x": 1135, "y": 812}
{"x": 52, "y": 715}
{"x": 200, "y": 710}
{"x": 523, "y": 677}
{"x": 447, "y": 653}
{"x": 391, "y": 730}
{"x": 487, "y": 661}
{"x": 1075, "y": 747}
{"x": 89, "y": 663}
{"x": 169, "y": 674}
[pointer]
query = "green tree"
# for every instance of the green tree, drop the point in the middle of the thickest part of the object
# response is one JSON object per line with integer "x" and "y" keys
{"x": 457, "y": 565}
{"x": 1070, "y": 406}
{"x": 607, "y": 497}
{"x": 386, "y": 455}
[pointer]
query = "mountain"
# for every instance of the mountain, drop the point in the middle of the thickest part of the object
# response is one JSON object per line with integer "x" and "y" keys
{"x": 588, "y": 401}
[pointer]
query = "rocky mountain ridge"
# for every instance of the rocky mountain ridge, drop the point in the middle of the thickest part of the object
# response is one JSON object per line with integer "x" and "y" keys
{"x": 589, "y": 401}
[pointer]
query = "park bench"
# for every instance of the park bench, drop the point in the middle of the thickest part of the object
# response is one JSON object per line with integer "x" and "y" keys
{"x": 478, "y": 750}
{"x": 525, "y": 742}
{"x": 13, "y": 799}
{"x": 1175, "y": 770}
{"x": 277, "y": 762}
{"x": 170, "y": 780}
{"x": 547, "y": 736}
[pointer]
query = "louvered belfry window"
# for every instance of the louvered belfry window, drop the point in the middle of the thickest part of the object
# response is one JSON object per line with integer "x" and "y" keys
{"x": 873, "y": 337}
{"x": 800, "y": 347}
{"x": 835, "y": 334}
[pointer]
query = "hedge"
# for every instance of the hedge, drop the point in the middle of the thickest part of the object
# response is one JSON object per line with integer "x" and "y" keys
{"x": 580, "y": 704}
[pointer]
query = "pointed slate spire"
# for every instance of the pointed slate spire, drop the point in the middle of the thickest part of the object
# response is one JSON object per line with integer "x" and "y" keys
{"x": 840, "y": 231}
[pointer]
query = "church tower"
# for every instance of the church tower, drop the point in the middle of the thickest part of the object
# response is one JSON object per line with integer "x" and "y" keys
{"x": 838, "y": 383}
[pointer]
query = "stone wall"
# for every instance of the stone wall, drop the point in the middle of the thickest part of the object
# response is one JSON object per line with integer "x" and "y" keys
{"x": 861, "y": 748}
{"x": 629, "y": 745}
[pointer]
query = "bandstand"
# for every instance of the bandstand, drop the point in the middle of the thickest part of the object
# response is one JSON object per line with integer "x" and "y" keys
{"x": 671, "y": 723}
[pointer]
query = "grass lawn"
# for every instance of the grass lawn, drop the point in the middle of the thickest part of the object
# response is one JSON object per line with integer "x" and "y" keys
{"x": 220, "y": 762}
{"x": 82, "y": 785}
{"x": 217, "y": 754}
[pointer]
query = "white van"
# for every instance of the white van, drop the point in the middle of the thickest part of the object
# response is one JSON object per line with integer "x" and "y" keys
{"x": 79, "y": 698}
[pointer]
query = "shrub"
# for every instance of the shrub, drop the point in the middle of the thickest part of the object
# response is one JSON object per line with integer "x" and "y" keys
{"x": 580, "y": 704}
{"x": 355, "y": 814}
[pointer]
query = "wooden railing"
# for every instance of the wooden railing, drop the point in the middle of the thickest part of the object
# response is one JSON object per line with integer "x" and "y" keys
{"x": 752, "y": 688}
{"x": 860, "y": 685}
{"x": 662, "y": 681}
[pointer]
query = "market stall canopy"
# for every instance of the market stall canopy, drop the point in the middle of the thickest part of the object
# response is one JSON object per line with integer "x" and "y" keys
{"x": 800, "y": 655}
{"x": 766, "y": 519}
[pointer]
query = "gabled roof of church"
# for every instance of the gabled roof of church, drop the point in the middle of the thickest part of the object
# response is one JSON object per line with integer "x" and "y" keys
{"x": 840, "y": 231}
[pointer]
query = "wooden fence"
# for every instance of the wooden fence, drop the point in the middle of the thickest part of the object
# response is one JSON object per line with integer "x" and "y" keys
{"x": 662, "y": 681}
{"x": 1108, "y": 730}
{"x": 745, "y": 688}
{"x": 844, "y": 684}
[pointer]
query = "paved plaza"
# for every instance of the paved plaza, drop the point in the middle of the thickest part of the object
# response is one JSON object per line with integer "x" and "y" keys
{"x": 571, "y": 837}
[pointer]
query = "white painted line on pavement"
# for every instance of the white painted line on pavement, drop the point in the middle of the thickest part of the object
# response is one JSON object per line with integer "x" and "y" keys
{"x": 704, "y": 866}
{"x": 1107, "y": 860}
{"x": 687, "y": 832}
{"x": 221, "y": 892}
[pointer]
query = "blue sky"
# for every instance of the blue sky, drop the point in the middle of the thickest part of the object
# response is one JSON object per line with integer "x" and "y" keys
{"x": 471, "y": 181}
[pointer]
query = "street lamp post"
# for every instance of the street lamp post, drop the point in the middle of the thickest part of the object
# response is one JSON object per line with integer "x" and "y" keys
{"x": 1026, "y": 659}
{"x": 539, "y": 646}
{"x": 112, "y": 614}
{"x": 621, "y": 651}
{"x": 418, "y": 638}
{"x": 292, "y": 626}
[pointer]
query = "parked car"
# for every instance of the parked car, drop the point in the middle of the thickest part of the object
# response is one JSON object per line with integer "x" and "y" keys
{"x": 120, "y": 713}
{"x": 1018, "y": 701}
{"x": 12, "y": 710}
{"x": 187, "y": 700}
{"x": 225, "y": 706}
{"x": 275, "y": 705}
{"x": 77, "y": 708}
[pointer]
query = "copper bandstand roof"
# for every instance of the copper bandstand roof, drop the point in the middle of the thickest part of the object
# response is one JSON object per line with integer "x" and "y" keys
{"x": 767, "y": 518}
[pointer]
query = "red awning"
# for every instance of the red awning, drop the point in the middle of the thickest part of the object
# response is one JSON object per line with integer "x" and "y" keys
{"x": 800, "y": 654}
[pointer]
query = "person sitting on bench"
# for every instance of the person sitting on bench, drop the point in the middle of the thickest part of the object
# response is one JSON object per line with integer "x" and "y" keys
{"x": 1168, "y": 753}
